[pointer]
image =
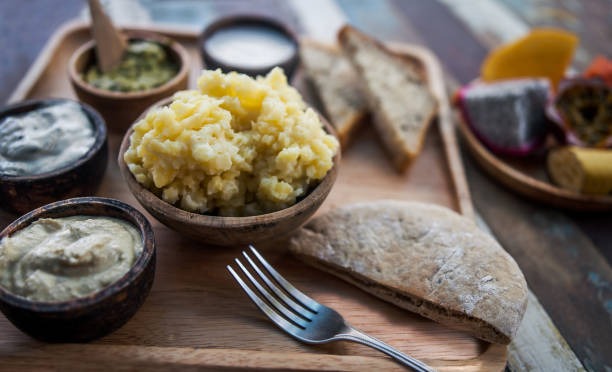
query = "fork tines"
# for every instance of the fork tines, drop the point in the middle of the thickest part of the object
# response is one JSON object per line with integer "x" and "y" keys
{"x": 285, "y": 305}
{"x": 301, "y": 316}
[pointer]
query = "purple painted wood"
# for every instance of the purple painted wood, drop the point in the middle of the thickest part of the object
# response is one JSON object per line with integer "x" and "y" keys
{"x": 456, "y": 48}
{"x": 25, "y": 27}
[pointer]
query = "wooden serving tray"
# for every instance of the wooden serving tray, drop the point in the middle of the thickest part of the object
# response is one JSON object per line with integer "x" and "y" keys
{"x": 197, "y": 317}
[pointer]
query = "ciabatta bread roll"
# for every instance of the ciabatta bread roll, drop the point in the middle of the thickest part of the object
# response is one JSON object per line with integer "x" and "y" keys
{"x": 423, "y": 258}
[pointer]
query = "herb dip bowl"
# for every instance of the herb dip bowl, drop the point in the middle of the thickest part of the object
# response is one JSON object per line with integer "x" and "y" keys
{"x": 95, "y": 315}
{"x": 120, "y": 109}
{"x": 20, "y": 194}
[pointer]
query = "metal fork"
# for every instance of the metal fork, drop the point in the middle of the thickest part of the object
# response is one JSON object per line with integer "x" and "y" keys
{"x": 301, "y": 316}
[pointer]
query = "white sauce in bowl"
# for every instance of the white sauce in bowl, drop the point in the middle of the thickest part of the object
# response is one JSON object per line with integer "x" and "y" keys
{"x": 249, "y": 46}
{"x": 44, "y": 139}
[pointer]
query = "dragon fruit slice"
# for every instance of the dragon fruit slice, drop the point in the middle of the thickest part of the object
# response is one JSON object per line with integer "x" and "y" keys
{"x": 509, "y": 116}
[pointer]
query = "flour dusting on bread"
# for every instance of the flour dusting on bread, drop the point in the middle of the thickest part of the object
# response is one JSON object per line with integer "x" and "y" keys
{"x": 423, "y": 258}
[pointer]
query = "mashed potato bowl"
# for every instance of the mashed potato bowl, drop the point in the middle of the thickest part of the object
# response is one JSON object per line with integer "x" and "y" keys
{"x": 228, "y": 231}
{"x": 172, "y": 173}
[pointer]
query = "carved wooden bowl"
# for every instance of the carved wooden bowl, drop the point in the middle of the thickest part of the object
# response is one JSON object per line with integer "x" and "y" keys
{"x": 230, "y": 231}
{"x": 120, "y": 109}
{"x": 20, "y": 194}
{"x": 100, "y": 313}
{"x": 289, "y": 64}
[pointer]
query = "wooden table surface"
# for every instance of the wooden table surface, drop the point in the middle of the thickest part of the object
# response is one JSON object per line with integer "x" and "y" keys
{"x": 565, "y": 255}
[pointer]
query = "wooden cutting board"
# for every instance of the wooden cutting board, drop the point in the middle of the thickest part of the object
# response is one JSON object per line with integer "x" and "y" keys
{"x": 197, "y": 317}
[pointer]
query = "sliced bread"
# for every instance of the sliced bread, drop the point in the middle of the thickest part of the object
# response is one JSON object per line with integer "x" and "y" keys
{"x": 423, "y": 258}
{"x": 396, "y": 89}
{"x": 336, "y": 83}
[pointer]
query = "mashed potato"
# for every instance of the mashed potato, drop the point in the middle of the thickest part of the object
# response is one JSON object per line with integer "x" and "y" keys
{"x": 237, "y": 146}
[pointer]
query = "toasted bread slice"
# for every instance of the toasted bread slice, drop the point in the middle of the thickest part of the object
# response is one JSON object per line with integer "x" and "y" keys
{"x": 336, "y": 83}
{"x": 396, "y": 89}
{"x": 423, "y": 258}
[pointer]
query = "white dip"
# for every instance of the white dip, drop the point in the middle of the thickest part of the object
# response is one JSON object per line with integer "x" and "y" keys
{"x": 44, "y": 140}
{"x": 250, "y": 46}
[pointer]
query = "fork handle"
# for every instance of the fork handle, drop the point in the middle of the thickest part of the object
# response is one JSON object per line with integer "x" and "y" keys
{"x": 356, "y": 335}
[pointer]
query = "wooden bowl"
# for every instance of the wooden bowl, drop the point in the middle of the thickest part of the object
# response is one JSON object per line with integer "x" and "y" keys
{"x": 120, "y": 109}
{"x": 528, "y": 178}
{"x": 289, "y": 64}
{"x": 228, "y": 231}
{"x": 20, "y": 194}
{"x": 100, "y": 313}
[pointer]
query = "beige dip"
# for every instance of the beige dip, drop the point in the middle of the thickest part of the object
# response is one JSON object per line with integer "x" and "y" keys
{"x": 61, "y": 259}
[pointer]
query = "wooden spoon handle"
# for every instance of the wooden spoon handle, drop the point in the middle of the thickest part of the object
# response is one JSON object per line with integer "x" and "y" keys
{"x": 110, "y": 42}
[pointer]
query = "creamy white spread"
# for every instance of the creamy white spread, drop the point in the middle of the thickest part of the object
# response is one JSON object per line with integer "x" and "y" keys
{"x": 44, "y": 140}
{"x": 250, "y": 46}
{"x": 61, "y": 259}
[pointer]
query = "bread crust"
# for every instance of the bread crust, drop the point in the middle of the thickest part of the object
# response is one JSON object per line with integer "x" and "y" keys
{"x": 401, "y": 153}
{"x": 345, "y": 126}
{"x": 423, "y": 258}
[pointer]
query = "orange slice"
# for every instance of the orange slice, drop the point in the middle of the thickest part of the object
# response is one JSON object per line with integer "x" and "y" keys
{"x": 544, "y": 52}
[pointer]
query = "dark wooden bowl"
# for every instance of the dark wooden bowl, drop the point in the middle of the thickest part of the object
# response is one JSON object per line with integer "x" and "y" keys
{"x": 289, "y": 65}
{"x": 100, "y": 313}
{"x": 120, "y": 109}
{"x": 228, "y": 231}
{"x": 20, "y": 194}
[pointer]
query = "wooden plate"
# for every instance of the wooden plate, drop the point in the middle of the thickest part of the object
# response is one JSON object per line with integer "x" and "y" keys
{"x": 528, "y": 177}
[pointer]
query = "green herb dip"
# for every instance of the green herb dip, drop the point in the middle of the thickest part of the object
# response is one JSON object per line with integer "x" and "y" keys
{"x": 145, "y": 65}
